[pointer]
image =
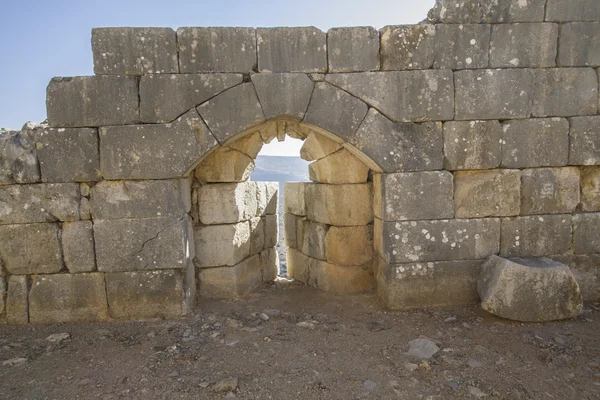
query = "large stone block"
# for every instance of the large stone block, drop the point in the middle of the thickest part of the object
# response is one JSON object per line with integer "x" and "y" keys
{"x": 475, "y": 11}
{"x": 271, "y": 224}
{"x": 590, "y": 189}
{"x": 225, "y": 165}
{"x": 314, "y": 240}
{"x": 565, "y": 92}
{"x": 523, "y": 45}
{"x": 18, "y": 156}
{"x": 291, "y": 50}
{"x": 573, "y": 10}
{"x": 550, "y": 190}
{"x": 339, "y": 167}
{"x": 148, "y": 294}
{"x": 340, "y": 205}
{"x": 59, "y": 298}
{"x": 39, "y": 203}
{"x": 283, "y": 94}
{"x": 249, "y": 144}
{"x": 257, "y": 235}
{"x": 294, "y": 198}
{"x": 586, "y": 271}
{"x": 535, "y": 236}
{"x": 143, "y": 244}
{"x": 134, "y": 51}
{"x": 140, "y": 199}
{"x": 231, "y": 282}
{"x": 535, "y": 143}
{"x": 442, "y": 240}
{"x": 154, "y": 151}
{"x": 353, "y": 49}
{"x": 462, "y": 46}
{"x": 165, "y": 97}
{"x": 216, "y": 49}
{"x": 584, "y": 146}
{"x": 267, "y": 197}
{"x": 409, "y": 96}
{"x": 317, "y": 146}
{"x": 78, "y": 246}
{"x": 269, "y": 261}
{"x": 578, "y": 44}
{"x": 92, "y": 101}
{"x": 340, "y": 279}
{"x": 493, "y": 193}
{"x": 350, "y": 245}
{"x": 222, "y": 245}
{"x": 30, "y": 249}
{"x": 407, "y": 47}
{"x": 494, "y": 94}
{"x": 293, "y": 230}
{"x": 68, "y": 155}
{"x": 586, "y": 235}
{"x": 297, "y": 265}
{"x": 472, "y": 145}
{"x": 414, "y": 196}
{"x": 17, "y": 305}
{"x": 227, "y": 203}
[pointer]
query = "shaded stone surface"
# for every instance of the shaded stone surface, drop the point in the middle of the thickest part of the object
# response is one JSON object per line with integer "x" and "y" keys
{"x": 39, "y": 203}
{"x": 283, "y": 94}
{"x": 294, "y": 198}
{"x": 340, "y": 279}
{"x": 267, "y": 198}
{"x": 271, "y": 224}
{"x": 586, "y": 271}
{"x": 462, "y": 46}
{"x": 227, "y": 203}
{"x": 78, "y": 246}
{"x": 18, "y": 156}
{"x": 579, "y": 44}
{"x": 474, "y": 11}
{"x": 269, "y": 261}
{"x": 351, "y": 245}
{"x": 493, "y": 193}
{"x": 291, "y": 50}
{"x": 550, "y": 190}
{"x": 585, "y": 141}
{"x": 250, "y": 144}
{"x": 523, "y": 45}
{"x": 472, "y": 145}
{"x": 222, "y": 245}
{"x": 564, "y": 92}
{"x": 574, "y": 10}
{"x": 590, "y": 189}
{"x": 337, "y": 168}
{"x": 535, "y": 236}
{"x": 17, "y": 305}
{"x": 30, "y": 249}
{"x": 314, "y": 240}
{"x": 297, "y": 265}
{"x": 407, "y": 47}
{"x": 231, "y": 282}
{"x": 293, "y": 228}
{"x": 586, "y": 235}
{"x": 353, "y": 49}
{"x": 225, "y": 165}
{"x": 340, "y": 205}
{"x": 257, "y": 235}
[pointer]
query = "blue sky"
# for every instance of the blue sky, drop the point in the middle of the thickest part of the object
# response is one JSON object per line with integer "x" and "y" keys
{"x": 40, "y": 39}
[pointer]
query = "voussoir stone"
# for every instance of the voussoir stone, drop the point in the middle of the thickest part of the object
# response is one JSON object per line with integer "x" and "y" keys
{"x": 291, "y": 50}
{"x": 18, "y": 156}
{"x": 49, "y": 202}
{"x": 475, "y": 11}
{"x": 590, "y": 189}
{"x": 565, "y": 92}
{"x": 535, "y": 236}
{"x": 249, "y": 144}
{"x": 490, "y": 193}
{"x": 585, "y": 141}
{"x": 530, "y": 290}
{"x": 222, "y": 245}
{"x": 407, "y": 47}
{"x": 30, "y": 248}
{"x": 340, "y": 205}
{"x": 573, "y": 10}
{"x": 317, "y": 146}
{"x": 225, "y": 165}
{"x": 78, "y": 246}
{"x": 283, "y": 93}
{"x": 579, "y": 44}
{"x": 550, "y": 190}
{"x": 339, "y": 167}
{"x": 462, "y": 46}
{"x": 523, "y": 45}
{"x": 227, "y": 203}
{"x": 472, "y": 145}
{"x": 353, "y": 49}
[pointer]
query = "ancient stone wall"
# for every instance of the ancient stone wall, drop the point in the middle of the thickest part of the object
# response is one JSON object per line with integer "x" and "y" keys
{"x": 479, "y": 128}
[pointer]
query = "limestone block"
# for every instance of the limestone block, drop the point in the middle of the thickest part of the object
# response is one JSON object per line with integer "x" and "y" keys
{"x": 91, "y": 101}
{"x": 590, "y": 189}
{"x": 535, "y": 143}
{"x": 472, "y": 145}
{"x": 231, "y": 282}
{"x": 550, "y": 190}
{"x": 579, "y": 45}
{"x": 339, "y": 167}
{"x": 537, "y": 236}
{"x": 17, "y": 305}
{"x": 85, "y": 210}
{"x": 297, "y": 265}
{"x": 494, "y": 93}
{"x": 18, "y": 156}
{"x": 225, "y": 165}
{"x": 317, "y": 146}
{"x": 39, "y": 203}
{"x": 257, "y": 235}
{"x": 232, "y": 111}
{"x": 430, "y": 284}
{"x": 340, "y": 205}
{"x": 493, "y": 193}
{"x": 294, "y": 198}
{"x": 271, "y": 223}
{"x": 474, "y": 11}
{"x": 586, "y": 235}
{"x": 586, "y": 272}
{"x": 227, "y": 203}
{"x": 143, "y": 244}
{"x": 269, "y": 261}
{"x": 250, "y": 144}
{"x": 216, "y": 49}
{"x": 291, "y": 50}
{"x": 407, "y": 47}
{"x": 441, "y": 240}
{"x": 353, "y": 49}
{"x": 140, "y": 199}
{"x": 574, "y": 10}
{"x": 402, "y": 146}
{"x": 165, "y": 97}
{"x": 59, "y": 298}
{"x": 403, "y": 95}
{"x": 530, "y": 290}
{"x": 145, "y": 294}
{"x": 294, "y": 230}
{"x": 565, "y": 92}
{"x": 30, "y": 249}
{"x": 413, "y": 196}
{"x": 314, "y": 240}
{"x": 134, "y": 51}
{"x": 267, "y": 198}
{"x": 78, "y": 246}
{"x": 154, "y": 151}
{"x": 283, "y": 94}
{"x": 585, "y": 141}
{"x": 221, "y": 245}
{"x": 3, "y": 289}
{"x": 462, "y": 46}
{"x": 523, "y": 45}
{"x": 340, "y": 279}
{"x": 351, "y": 245}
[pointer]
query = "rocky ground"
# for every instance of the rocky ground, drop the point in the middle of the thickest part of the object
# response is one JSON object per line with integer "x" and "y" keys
{"x": 292, "y": 342}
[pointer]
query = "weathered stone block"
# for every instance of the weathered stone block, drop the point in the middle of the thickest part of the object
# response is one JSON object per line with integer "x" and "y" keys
{"x": 314, "y": 240}
{"x": 407, "y": 47}
{"x": 340, "y": 279}
{"x": 353, "y": 49}
{"x": 291, "y": 50}
{"x": 550, "y": 190}
{"x": 578, "y": 44}
{"x": 222, "y": 245}
{"x": 351, "y": 245}
{"x": 339, "y": 167}
{"x": 414, "y": 196}
{"x": 586, "y": 235}
{"x": 231, "y": 282}
{"x": 227, "y": 203}
{"x": 462, "y": 46}
{"x": 297, "y": 265}
{"x": 3, "y": 289}
{"x": 17, "y": 305}
{"x": 340, "y": 205}
{"x": 257, "y": 235}
{"x": 147, "y": 294}
{"x": 565, "y": 92}
{"x": 294, "y": 198}
{"x": 494, "y": 94}
{"x": 18, "y": 156}
{"x": 140, "y": 199}
{"x": 586, "y": 271}
{"x": 402, "y": 95}
{"x": 143, "y": 244}
{"x": 292, "y": 226}
{"x": 78, "y": 246}
{"x": 267, "y": 198}
{"x": 225, "y": 165}
{"x": 472, "y": 145}
{"x": 535, "y": 236}
{"x": 474, "y": 11}
{"x": 523, "y": 45}
{"x": 442, "y": 240}
{"x": 92, "y": 101}
{"x": 318, "y": 146}
{"x": 39, "y": 203}
{"x": 573, "y": 10}
{"x": 535, "y": 143}
{"x": 216, "y": 49}
{"x": 165, "y": 97}
{"x": 590, "y": 189}
{"x": 250, "y": 144}
{"x": 269, "y": 261}
{"x": 493, "y": 193}
{"x": 59, "y": 298}
{"x": 134, "y": 51}
{"x": 585, "y": 141}
{"x": 283, "y": 94}
{"x": 30, "y": 249}
{"x": 271, "y": 224}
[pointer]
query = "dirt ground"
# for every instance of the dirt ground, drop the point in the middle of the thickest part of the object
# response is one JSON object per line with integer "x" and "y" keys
{"x": 313, "y": 345}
